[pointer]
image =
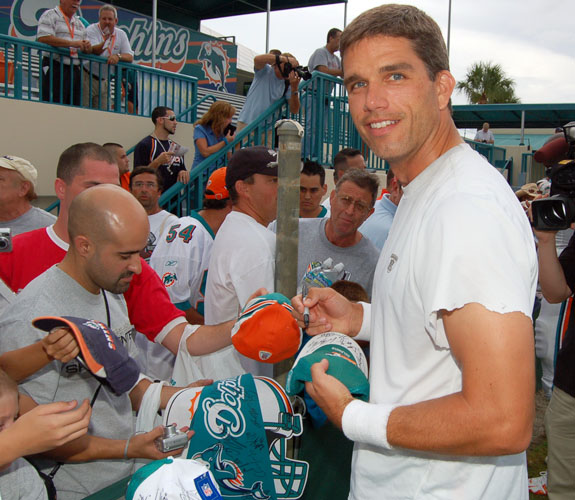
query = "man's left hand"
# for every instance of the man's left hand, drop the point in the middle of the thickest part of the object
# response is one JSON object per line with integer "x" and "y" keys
{"x": 114, "y": 59}
{"x": 328, "y": 392}
{"x": 183, "y": 176}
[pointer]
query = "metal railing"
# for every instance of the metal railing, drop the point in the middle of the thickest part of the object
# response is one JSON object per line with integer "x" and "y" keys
{"x": 496, "y": 156}
{"x": 327, "y": 122}
{"x": 37, "y": 72}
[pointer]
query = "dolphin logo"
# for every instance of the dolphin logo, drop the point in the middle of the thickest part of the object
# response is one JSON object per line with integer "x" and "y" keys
{"x": 228, "y": 474}
{"x": 215, "y": 64}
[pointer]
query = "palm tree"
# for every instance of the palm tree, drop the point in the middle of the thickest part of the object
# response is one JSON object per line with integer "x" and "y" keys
{"x": 486, "y": 83}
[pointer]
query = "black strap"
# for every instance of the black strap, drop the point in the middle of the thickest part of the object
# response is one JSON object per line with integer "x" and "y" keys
{"x": 49, "y": 478}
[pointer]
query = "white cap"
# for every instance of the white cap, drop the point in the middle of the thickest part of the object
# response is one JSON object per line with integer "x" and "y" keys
{"x": 20, "y": 165}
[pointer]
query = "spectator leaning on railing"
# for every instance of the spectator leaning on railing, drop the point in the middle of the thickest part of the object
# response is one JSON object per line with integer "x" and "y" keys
{"x": 111, "y": 43}
{"x": 61, "y": 27}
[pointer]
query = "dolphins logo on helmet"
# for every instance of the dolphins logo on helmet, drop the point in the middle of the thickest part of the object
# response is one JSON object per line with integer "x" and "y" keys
{"x": 228, "y": 465}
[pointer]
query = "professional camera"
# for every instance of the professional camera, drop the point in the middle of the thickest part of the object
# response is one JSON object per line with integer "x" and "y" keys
{"x": 558, "y": 211}
{"x": 5, "y": 239}
{"x": 302, "y": 71}
{"x": 171, "y": 439}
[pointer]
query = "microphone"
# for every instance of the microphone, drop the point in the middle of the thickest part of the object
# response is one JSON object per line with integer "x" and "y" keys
{"x": 552, "y": 151}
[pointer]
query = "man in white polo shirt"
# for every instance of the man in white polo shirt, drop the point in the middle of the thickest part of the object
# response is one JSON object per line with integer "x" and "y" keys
{"x": 112, "y": 44}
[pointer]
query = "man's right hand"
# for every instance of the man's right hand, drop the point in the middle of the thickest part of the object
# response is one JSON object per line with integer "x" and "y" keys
{"x": 328, "y": 312}
{"x": 164, "y": 158}
{"x": 143, "y": 445}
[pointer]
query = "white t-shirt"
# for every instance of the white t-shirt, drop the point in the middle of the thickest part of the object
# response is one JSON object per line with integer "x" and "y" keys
{"x": 243, "y": 260}
{"x": 459, "y": 236}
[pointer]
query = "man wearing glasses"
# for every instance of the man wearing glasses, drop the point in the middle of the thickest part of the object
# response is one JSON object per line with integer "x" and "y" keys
{"x": 160, "y": 152}
{"x": 338, "y": 237}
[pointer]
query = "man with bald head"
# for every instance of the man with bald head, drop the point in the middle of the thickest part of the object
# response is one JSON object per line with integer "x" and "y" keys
{"x": 107, "y": 229}
{"x": 81, "y": 167}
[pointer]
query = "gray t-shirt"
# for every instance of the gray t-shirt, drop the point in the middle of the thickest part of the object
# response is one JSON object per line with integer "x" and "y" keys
{"x": 20, "y": 481}
{"x": 360, "y": 259}
{"x": 35, "y": 218}
{"x": 54, "y": 293}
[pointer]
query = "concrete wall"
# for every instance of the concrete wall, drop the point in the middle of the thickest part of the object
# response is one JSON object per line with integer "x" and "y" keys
{"x": 39, "y": 132}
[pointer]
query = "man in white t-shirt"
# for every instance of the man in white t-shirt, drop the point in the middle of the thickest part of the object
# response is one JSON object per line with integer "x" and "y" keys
{"x": 484, "y": 135}
{"x": 112, "y": 44}
{"x": 146, "y": 186}
{"x": 243, "y": 255}
{"x": 452, "y": 386}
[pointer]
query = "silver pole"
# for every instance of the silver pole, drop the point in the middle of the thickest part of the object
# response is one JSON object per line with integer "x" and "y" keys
{"x": 154, "y": 22}
{"x": 522, "y": 128}
{"x": 448, "y": 28}
{"x": 290, "y": 135}
{"x": 345, "y": 14}
{"x": 268, "y": 10}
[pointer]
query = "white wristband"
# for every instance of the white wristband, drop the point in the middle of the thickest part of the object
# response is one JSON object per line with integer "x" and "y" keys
{"x": 367, "y": 423}
{"x": 365, "y": 330}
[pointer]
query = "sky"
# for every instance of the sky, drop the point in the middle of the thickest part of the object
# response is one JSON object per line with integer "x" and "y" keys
{"x": 532, "y": 40}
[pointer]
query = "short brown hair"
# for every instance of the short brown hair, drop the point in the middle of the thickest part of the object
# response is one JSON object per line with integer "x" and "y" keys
{"x": 401, "y": 21}
{"x": 70, "y": 161}
{"x": 146, "y": 170}
{"x": 362, "y": 179}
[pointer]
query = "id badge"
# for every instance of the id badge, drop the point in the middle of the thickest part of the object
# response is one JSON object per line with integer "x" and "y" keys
{"x": 73, "y": 52}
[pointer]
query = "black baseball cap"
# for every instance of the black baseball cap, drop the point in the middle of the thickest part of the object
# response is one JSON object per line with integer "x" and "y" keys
{"x": 249, "y": 161}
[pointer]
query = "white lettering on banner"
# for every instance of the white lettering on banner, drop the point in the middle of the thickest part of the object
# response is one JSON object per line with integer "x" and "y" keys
{"x": 171, "y": 44}
{"x": 223, "y": 416}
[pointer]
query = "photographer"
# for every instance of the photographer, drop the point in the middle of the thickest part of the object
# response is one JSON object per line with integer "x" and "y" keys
{"x": 213, "y": 131}
{"x": 557, "y": 279}
{"x": 274, "y": 78}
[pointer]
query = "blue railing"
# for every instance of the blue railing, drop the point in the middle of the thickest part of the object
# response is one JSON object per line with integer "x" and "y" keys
{"x": 496, "y": 156}
{"x": 127, "y": 88}
{"x": 328, "y": 125}
{"x": 182, "y": 198}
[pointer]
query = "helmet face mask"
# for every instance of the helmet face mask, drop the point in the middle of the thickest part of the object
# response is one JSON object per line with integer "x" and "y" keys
{"x": 278, "y": 424}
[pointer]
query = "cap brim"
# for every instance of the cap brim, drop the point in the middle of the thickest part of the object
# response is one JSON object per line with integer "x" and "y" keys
{"x": 47, "y": 323}
{"x": 342, "y": 366}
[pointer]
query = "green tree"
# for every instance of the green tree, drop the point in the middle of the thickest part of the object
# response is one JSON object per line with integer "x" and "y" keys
{"x": 486, "y": 83}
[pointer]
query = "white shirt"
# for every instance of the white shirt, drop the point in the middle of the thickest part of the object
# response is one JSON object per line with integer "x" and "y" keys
{"x": 118, "y": 43}
{"x": 243, "y": 260}
{"x": 459, "y": 236}
{"x": 484, "y": 136}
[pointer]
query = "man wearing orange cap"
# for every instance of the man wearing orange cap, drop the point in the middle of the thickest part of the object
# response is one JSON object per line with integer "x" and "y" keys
{"x": 182, "y": 256}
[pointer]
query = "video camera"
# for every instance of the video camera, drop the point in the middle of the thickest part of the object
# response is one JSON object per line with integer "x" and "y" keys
{"x": 558, "y": 211}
